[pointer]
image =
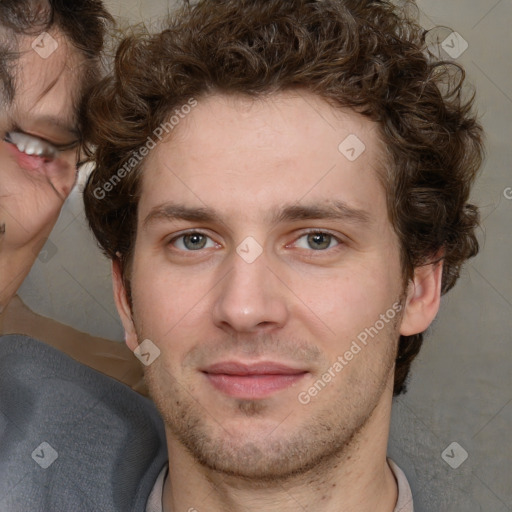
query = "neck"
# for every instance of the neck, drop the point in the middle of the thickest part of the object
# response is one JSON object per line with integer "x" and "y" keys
{"x": 359, "y": 479}
{"x": 13, "y": 272}
{"x": 15, "y": 264}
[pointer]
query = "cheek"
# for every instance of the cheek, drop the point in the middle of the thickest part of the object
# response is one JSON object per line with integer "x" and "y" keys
{"x": 61, "y": 172}
{"x": 346, "y": 301}
{"x": 27, "y": 162}
{"x": 168, "y": 305}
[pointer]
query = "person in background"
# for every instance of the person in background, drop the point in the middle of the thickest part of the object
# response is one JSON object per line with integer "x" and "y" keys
{"x": 49, "y": 57}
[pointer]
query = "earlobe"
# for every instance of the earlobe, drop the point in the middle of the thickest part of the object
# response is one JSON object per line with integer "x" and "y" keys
{"x": 123, "y": 306}
{"x": 423, "y": 298}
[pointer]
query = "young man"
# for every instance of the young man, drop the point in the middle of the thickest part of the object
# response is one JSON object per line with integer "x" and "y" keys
{"x": 283, "y": 190}
{"x": 49, "y": 57}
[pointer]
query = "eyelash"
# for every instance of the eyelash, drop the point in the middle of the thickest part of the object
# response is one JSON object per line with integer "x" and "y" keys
{"x": 183, "y": 235}
{"x": 304, "y": 234}
{"x": 319, "y": 251}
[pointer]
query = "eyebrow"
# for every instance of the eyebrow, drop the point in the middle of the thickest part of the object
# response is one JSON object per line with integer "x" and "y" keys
{"x": 170, "y": 212}
{"x": 333, "y": 210}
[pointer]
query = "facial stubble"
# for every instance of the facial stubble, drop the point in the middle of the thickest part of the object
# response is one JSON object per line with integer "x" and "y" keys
{"x": 326, "y": 433}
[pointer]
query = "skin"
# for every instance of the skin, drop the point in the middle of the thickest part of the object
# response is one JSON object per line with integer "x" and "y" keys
{"x": 33, "y": 189}
{"x": 32, "y": 193}
{"x": 301, "y": 306}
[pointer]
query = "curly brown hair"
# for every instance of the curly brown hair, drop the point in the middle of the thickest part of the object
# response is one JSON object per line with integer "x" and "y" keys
{"x": 84, "y": 23}
{"x": 369, "y": 56}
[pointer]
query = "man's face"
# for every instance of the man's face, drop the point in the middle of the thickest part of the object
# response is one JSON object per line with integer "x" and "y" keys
{"x": 36, "y": 179}
{"x": 263, "y": 251}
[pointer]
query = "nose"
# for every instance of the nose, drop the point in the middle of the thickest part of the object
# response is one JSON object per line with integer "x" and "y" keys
{"x": 251, "y": 299}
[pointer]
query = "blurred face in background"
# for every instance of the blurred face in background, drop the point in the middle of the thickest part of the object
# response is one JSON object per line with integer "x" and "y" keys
{"x": 38, "y": 148}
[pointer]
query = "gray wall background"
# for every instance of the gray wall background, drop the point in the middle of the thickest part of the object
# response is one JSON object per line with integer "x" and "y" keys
{"x": 461, "y": 388}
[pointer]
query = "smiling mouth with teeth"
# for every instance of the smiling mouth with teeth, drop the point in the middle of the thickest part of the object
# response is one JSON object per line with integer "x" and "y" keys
{"x": 35, "y": 154}
{"x": 32, "y": 146}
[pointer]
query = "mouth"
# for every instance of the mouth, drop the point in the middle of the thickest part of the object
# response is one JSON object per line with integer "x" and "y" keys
{"x": 252, "y": 381}
{"x": 43, "y": 167}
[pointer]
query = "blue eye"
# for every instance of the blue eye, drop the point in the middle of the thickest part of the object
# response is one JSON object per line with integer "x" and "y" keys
{"x": 192, "y": 242}
{"x": 318, "y": 241}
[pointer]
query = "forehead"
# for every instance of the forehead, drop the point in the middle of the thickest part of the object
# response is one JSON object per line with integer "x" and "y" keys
{"x": 234, "y": 152}
{"x": 47, "y": 84}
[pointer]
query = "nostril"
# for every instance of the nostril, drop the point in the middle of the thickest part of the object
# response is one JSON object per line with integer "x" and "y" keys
{"x": 266, "y": 324}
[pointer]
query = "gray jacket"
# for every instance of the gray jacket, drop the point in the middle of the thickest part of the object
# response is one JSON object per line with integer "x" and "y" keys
{"x": 71, "y": 439}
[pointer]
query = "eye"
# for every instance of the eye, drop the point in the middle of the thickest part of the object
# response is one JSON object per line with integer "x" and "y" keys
{"x": 318, "y": 241}
{"x": 32, "y": 146}
{"x": 192, "y": 242}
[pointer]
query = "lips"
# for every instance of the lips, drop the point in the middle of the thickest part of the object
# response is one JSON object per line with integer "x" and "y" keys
{"x": 25, "y": 161}
{"x": 252, "y": 381}
{"x": 58, "y": 173}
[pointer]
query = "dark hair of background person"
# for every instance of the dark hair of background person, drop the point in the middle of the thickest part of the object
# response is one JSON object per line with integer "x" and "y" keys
{"x": 369, "y": 56}
{"x": 82, "y": 22}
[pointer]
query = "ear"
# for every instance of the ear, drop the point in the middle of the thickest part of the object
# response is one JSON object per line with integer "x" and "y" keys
{"x": 423, "y": 298}
{"x": 123, "y": 306}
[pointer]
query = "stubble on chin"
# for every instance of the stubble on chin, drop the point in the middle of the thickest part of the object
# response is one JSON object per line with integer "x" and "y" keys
{"x": 304, "y": 440}
{"x": 321, "y": 439}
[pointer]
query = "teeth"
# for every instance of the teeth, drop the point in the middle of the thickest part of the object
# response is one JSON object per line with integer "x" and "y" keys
{"x": 18, "y": 138}
{"x": 31, "y": 148}
{"x": 31, "y": 145}
{"x": 34, "y": 148}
